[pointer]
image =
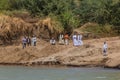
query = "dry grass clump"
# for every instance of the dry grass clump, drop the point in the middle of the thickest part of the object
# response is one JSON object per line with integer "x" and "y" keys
{"x": 12, "y": 28}
{"x": 49, "y": 27}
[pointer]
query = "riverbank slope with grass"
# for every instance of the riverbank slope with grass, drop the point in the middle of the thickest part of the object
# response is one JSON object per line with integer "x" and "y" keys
{"x": 46, "y": 19}
{"x": 90, "y": 54}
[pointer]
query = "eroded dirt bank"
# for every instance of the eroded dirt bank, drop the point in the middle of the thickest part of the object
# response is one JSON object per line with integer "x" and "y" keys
{"x": 90, "y": 54}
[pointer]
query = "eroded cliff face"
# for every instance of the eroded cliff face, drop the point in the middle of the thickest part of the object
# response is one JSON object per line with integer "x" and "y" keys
{"x": 90, "y": 54}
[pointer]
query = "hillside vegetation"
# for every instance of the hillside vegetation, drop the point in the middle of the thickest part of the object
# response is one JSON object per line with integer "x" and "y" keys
{"x": 62, "y": 16}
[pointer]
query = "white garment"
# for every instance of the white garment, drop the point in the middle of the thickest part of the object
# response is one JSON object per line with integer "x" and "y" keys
{"x": 105, "y": 46}
{"x": 105, "y": 49}
{"x": 66, "y": 42}
{"x": 34, "y": 39}
{"x": 80, "y": 42}
{"x": 52, "y": 41}
{"x": 61, "y": 41}
{"x": 75, "y": 41}
{"x": 79, "y": 38}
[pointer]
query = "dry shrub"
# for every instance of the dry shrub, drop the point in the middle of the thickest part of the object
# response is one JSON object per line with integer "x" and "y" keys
{"x": 12, "y": 28}
{"x": 49, "y": 27}
{"x": 87, "y": 25}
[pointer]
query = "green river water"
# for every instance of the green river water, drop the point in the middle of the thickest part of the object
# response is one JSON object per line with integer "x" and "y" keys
{"x": 46, "y": 73}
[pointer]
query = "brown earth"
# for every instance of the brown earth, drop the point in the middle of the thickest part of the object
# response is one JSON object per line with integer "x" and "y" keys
{"x": 90, "y": 54}
{"x": 12, "y": 28}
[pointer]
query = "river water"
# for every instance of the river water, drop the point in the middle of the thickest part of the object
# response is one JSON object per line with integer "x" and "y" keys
{"x": 43, "y": 73}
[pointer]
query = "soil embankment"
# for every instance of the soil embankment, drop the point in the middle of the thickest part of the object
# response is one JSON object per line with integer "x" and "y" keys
{"x": 90, "y": 54}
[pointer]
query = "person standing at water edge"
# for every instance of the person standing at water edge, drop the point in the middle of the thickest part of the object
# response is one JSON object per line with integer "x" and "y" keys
{"x": 24, "y": 42}
{"x": 105, "y": 49}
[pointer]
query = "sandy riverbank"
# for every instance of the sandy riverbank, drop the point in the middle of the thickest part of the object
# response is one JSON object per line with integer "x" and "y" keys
{"x": 90, "y": 54}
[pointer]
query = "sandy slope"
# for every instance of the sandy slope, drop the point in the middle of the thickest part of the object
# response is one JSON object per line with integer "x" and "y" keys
{"x": 90, "y": 54}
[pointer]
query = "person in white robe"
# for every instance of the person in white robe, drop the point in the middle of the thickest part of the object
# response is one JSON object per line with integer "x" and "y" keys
{"x": 75, "y": 41}
{"x": 61, "y": 40}
{"x": 79, "y": 38}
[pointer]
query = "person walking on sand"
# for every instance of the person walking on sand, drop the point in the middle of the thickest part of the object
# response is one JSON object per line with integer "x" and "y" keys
{"x": 24, "y": 42}
{"x": 105, "y": 46}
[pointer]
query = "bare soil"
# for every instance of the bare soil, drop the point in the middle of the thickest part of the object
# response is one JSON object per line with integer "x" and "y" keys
{"x": 90, "y": 54}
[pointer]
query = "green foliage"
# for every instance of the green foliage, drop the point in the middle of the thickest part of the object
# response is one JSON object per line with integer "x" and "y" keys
{"x": 99, "y": 30}
{"x": 70, "y": 13}
{"x": 61, "y": 8}
{"x": 69, "y": 20}
{"x": 16, "y": 4}
{"x": 100, "y": 11}
{"x": 4, "y": 4}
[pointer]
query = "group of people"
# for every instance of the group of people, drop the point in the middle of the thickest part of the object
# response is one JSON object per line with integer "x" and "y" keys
{"x": 77, "y": 39}
{"x": 29, "y": 41}
{"x": 63, "y": 39}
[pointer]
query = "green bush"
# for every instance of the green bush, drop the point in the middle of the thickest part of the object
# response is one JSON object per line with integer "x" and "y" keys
{"x": 4, "y": 4}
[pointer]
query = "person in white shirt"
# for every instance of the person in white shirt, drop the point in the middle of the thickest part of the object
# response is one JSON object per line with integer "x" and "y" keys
{"x": 75, "y": 41}
{"x": 52, "y": 41}
{"x": 34, "y": 40}
{"x": 79, "y": 38}
{"x": 105, "y": 46}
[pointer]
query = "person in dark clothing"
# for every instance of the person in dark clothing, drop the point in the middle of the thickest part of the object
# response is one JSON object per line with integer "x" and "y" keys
{"x": 28, "y": 41}
{"x": 24, "y": 41}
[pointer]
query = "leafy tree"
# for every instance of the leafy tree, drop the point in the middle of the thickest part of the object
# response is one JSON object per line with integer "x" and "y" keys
{"x": 61, "y": 8}
{"x": 100, "y": 11}
{"x": 70, "y": 13}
